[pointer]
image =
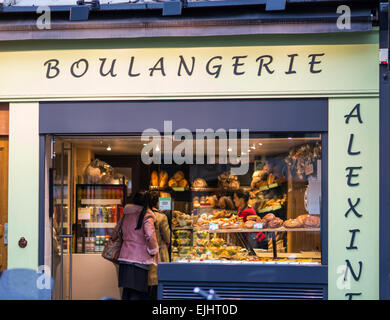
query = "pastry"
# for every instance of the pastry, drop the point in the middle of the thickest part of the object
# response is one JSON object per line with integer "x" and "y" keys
{"x": 213, "y": 200}
{"x": 154, "y": 179}
{"x": 183, "y": 183}
{"x": 302, "y": 218}
{"x": 221, "y": 203}
{"x": 275, "y": 223}
{"x": 179, "y": 175}
{"x": 163, "y": 179}
{"x": 292, "y": 223}
{"x": 199, "y": 183}
{"x": 249, "y": 224}
{"x": 312, "y": 221}
{"x": 268, "y": 217}
{"x": 234, "y": 185}
{"x": 195, "y": 202}
{"x": 253, "y": 218}
{"x": 172, "y": 183}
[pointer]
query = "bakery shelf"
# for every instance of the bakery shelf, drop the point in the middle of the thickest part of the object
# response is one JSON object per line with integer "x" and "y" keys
{"x": 183, "y": 228}
{"x": 97, "y": 225}
{"x": 270, "y": 186}
{"x": 205, "y": 189}
{"x": 101, "y": 202}
{"x": 282, "y": 229}
{"x": 270, "y": 209}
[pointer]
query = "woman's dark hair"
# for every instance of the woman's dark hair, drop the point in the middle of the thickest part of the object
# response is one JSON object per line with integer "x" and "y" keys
{"x": 141, "y": 198}
{"x": 154, "y": 196}
{"x": 242, "y": 194}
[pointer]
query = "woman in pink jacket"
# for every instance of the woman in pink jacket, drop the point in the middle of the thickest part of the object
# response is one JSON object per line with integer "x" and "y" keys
{"x": 139, "y": 248}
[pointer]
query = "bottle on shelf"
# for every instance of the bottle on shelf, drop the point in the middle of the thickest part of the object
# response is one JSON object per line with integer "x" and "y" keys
{"x": 114, "y": 215}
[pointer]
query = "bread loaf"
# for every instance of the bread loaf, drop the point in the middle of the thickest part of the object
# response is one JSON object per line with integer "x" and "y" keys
{"x": 268, "y": 217}
{"x": 154, "y": 179}
{"x": 253, "y": 218}
{"x": 275, "y": 223}
{"x": 163, "y": 179}
{"x": 172, "y": 183}
{"x": 199, "y": 183}
{"x": 301, "y": 219}
{"x": 312, "y": 221}
{"x": 292, "y": 223}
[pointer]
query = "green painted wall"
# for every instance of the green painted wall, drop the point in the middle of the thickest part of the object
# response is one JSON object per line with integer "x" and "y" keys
{"x": 365, "y": 141}
{"x": 23, "y": 199}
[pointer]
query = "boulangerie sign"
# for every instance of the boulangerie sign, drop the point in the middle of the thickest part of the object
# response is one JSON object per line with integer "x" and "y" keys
{"x": 188, "y": 72}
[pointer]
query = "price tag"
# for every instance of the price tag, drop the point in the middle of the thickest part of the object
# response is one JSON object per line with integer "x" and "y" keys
{"x": 164, "y": 204}
{"x": 258, "y": 225}
{"x": 213, "y": 226}
{"x": 84, "y": 214}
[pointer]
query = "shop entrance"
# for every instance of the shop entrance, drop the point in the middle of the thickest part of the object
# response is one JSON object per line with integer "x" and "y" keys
{"x": 93, "y": 176}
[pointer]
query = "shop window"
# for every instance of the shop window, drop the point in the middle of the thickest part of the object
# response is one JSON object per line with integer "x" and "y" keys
{"x": 271, "y": 213}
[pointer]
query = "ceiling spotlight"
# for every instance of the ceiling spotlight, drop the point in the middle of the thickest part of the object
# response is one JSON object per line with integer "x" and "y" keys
{"x": 108, "y": 148}
{"x": 260, "y": 144}
{"x": 253, "y": 147}
{"x": 230, "y": 150}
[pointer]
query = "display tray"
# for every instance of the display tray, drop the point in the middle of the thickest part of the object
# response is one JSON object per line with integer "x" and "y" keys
{"x": 282, "y": 229}
{"x": 183, "y": 228}
{"x": 314, "y": 263}
{"x": 101, "y": 202}
{"x": 270, "y": 209}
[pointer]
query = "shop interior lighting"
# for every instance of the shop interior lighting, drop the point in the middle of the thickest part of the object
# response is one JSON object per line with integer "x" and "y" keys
{"x": 108, "y": 148}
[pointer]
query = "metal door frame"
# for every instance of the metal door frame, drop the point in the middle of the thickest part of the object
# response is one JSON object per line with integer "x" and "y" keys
{"x": 63, "y": 235}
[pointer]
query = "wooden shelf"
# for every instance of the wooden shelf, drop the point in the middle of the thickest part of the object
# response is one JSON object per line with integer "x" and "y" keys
{"x": 102, "y": 225}
{"x": 101, "y": 202}
{"x": 282, "y": 229}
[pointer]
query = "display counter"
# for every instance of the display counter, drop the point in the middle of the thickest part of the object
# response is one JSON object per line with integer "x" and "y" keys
{"x": 243, "y": 281}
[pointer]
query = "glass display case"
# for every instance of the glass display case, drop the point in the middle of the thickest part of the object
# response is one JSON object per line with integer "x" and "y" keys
{"x": 99, "y": 208}
{"x": 283, "y": 186}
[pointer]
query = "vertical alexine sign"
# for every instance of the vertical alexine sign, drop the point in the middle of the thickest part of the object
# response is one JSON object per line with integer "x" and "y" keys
{"x": 353, "y": 199}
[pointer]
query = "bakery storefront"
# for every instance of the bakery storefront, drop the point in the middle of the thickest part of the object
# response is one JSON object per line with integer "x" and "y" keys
{"x": 294, "y": 122}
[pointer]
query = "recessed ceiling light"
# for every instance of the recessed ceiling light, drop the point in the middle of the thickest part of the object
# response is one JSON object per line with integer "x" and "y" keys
{"x": 260, "y": 144}
{"x": 253, "y": 147}
{"x": 108, "y": 148}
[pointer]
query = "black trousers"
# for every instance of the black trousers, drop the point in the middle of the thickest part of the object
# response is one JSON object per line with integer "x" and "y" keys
{"x": 131, "y": 294}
